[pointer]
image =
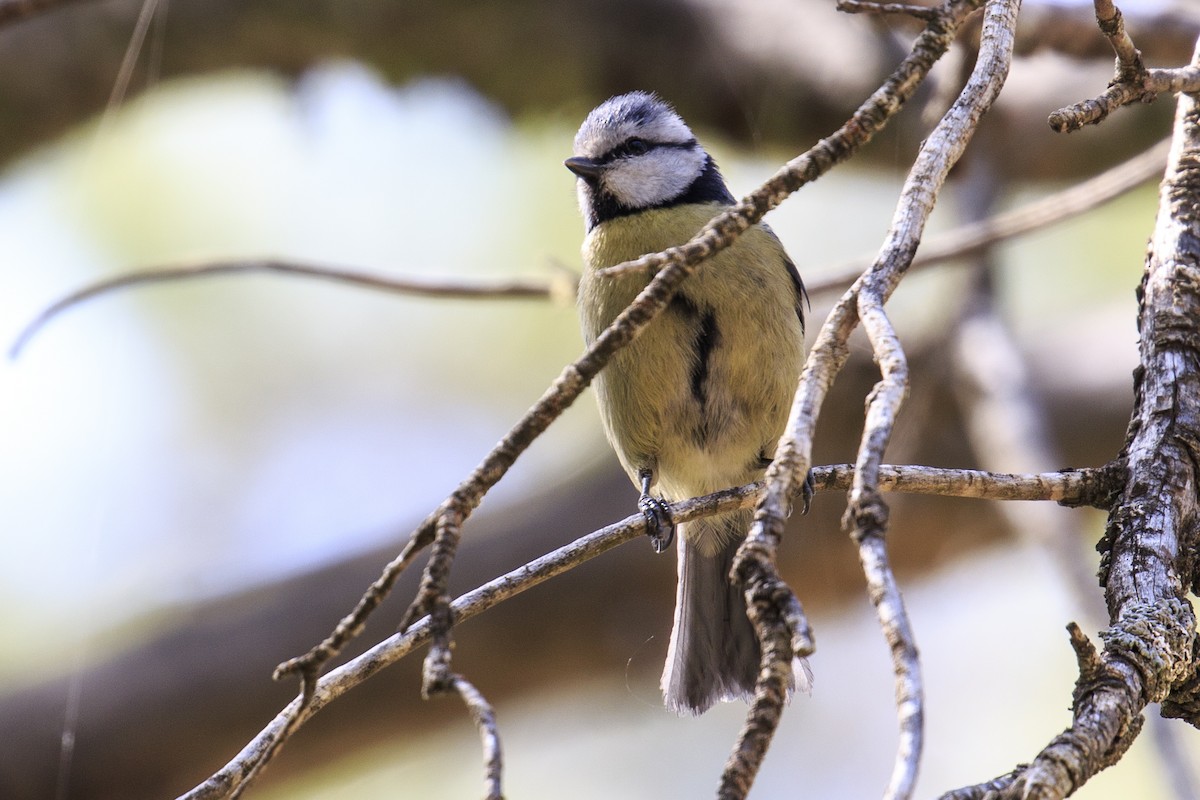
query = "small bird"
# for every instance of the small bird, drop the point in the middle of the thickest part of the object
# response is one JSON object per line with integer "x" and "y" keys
{"x": 698, "y": 402}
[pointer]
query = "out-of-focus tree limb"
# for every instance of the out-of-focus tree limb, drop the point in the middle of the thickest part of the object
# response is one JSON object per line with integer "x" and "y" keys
{"x": 729, "y": 65}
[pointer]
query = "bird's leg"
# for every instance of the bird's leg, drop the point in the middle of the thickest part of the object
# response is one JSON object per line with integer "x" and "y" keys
{"x": 658, "y": 520}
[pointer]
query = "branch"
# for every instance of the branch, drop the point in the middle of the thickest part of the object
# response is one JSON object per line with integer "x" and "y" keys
{"x": 967, "y": 240}
{"x": 1149, "y": 551}
{"x": 768, "y": 598}
{"x": 485, "y": 721}
{"x": 1072, "y": 487}
{"x": 923, "y": 13}
{"x": 1133, "y": 82}
{"x": 517, "y": 288}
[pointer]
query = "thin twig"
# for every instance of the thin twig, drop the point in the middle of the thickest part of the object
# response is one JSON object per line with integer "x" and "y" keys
{"x": 924, "y": 13}
{"x": 512, "y": 288}
{"x": 485, "y": 720}
{"x": 969, "y": 239}
{"x": 1075, "y": 487}
{"x": 940, "y": 152}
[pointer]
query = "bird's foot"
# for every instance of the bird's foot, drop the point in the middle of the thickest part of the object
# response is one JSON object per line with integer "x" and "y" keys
{"x": 659, "y": 526}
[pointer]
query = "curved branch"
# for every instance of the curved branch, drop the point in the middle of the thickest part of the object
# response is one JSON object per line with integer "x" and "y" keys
{"x": 972, "y": 238}
{"x": 514, "y": 288}
{"x": 866, "y": 298}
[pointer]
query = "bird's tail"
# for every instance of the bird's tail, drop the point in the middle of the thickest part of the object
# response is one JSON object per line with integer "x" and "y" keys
{"x": 714, "y": 654}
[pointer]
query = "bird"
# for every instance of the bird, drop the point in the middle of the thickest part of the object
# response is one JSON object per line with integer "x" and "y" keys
{"x": 698, "y": 401}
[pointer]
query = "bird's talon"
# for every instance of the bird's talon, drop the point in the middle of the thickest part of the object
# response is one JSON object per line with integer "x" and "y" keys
{"x": 659, "y": 526}
{"x": 807, "y": 492}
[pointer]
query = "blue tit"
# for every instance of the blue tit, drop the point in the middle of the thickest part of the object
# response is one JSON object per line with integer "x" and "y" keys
{"x": 698, "y": 402}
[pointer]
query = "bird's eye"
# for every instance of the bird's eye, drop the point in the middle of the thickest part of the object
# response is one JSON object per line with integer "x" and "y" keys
{"x": 636, "y": 147}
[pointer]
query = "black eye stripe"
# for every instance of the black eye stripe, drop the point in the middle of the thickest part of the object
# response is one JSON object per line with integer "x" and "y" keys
{"x": 637, "y": 146}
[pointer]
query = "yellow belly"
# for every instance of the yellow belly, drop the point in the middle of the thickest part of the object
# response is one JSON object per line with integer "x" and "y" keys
{"x": 737, "y": 314}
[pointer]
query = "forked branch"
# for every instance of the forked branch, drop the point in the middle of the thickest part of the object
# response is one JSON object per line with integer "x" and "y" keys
{"x": 1133, "y": 81}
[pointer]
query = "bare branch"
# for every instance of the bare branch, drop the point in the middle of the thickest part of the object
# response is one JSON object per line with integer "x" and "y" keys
{"x": 975, "y": 237}
{"x": 1133, "y": 82}
{"x": 1074, "y": 487}
{"x": 1112, "y": 25}
{"x": 867, "y": 517}
{"x": 1149, "y": 550}
{"x": 485, "y": 721}
{"x": 959, "y": 242}
{"x": 345, "y": 677}
{"x": 514, "y": 288}
{"x": 755, "y": 563}
{"x": 924, "y": 13}
{"x": 1090, "y": 487}
{"x": 1121, "y": 93}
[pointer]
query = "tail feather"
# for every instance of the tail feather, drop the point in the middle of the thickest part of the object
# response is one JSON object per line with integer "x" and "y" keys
{"x": 714, "y": 654}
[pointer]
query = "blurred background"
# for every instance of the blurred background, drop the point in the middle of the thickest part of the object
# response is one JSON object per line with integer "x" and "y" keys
{"x": 198, "y": 479}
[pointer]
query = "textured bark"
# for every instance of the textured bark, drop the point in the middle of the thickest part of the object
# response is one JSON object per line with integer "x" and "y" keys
{"x": 1150, "y": 545}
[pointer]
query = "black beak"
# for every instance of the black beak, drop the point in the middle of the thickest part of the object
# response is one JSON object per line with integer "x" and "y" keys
{"x": 587, "y": 168}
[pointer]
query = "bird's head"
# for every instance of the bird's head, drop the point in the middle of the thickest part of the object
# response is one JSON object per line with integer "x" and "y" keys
{"x": 632, "y": 153}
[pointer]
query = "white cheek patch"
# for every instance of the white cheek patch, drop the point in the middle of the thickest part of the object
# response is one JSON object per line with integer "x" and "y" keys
{"x": 656, "y": 177}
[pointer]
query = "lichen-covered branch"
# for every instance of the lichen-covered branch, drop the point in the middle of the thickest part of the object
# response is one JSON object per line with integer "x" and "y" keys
{"x": 1152, "y": 539}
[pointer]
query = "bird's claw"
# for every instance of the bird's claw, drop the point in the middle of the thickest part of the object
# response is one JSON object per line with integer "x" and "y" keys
{"x": 659, "y": 526}
{"x": 807, "y": 492}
